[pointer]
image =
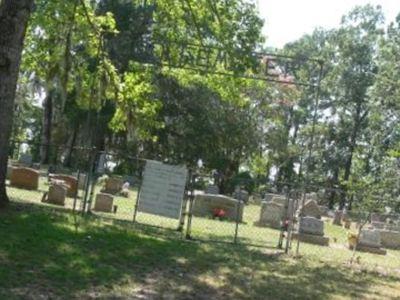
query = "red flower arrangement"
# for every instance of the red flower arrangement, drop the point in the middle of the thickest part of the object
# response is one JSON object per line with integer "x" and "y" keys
{"x": 219, "y": 213}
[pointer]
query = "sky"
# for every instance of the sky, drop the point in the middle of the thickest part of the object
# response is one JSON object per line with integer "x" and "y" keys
{"x": 288, "y": 20}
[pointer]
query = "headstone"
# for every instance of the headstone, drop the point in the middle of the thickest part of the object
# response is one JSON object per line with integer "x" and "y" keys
{"x": 269, "y": 196}
{"x": 324, "y": 210}
{"x": 310, "y": 209}
{"x": 337, "y": 218}
{"x": 312, "y": 196}
{"x": 370, "y": 238}
{"x": 25, "y": 159}
{"x": 70, "y": 181}
{"x": 311, "y": 225}
{"x": 57, "y": 194}
{"x": 272, "y": 214}
{"x": 279, "y": 199}
{"x": 212, "y": 189}
{"x": 113, "y": 185}
{"x": 376, "y": 217}
{"x": 104, "y": 202}
{"x": 241, "y": 195}
{"x": 378, "y": 225}
{"x": 390, "y": 239}
{"x": 206, "y": 204}
{"x": 24, "y": 178}
{"x": 311, "y": 230}
{"x": 125, "y": 189}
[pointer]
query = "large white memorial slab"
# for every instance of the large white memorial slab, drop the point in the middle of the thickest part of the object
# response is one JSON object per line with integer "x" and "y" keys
{"x": 162, "y": 189}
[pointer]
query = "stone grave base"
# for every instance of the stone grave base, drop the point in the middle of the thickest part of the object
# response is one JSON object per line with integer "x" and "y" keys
{"x": 363, "y": 248}
{"x": 311, "y": 238}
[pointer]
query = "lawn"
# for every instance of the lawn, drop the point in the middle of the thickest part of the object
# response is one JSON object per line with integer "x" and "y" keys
{"x": 45, "y": 253}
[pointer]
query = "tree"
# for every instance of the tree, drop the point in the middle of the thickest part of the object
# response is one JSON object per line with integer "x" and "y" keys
{"x": 14, "y": 15}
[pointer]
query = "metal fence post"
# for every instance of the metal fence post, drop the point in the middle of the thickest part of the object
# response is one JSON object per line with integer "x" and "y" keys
{"x": 191, "y": 200}
{"x": 239, "y": 204}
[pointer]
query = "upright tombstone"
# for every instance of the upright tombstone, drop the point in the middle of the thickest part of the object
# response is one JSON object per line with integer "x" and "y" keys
{"x": 390, "y": 239}
{"x": 370, "y": 241}
{"x": 212, "y": 189}
{"x": 25, "y": 159}
{"x": 24, "y": 178}
{"x": 71, "y": 181}
{"x": 271, "y": 214}
{"x": 206, "y": 204}
{"x": 104, "y": 202}
{"x": 241, "y": 195}
{"x": 57, "y": 193}
{"x": 310, "y": 209}
{"x": 113, "y": 185}
{"x": 311, "y": 230}
{"x": 337, "y": 218}
{"x": 269, "y": 196}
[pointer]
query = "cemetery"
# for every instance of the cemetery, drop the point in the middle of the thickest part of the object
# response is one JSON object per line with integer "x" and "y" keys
{"x": 210, "y": 149}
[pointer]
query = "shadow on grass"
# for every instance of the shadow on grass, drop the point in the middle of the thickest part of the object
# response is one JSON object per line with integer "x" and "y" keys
{"x": 43, "y": 256}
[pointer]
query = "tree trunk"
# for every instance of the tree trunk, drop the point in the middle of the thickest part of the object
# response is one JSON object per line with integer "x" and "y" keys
{"x": 14, "y": 15}
{"x": 46, "y": 128}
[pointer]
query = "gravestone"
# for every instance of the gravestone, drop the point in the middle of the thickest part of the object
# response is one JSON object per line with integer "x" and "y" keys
{"x": 378, "y": 225}
{"x": 206, "y": 204}
{"x": 279, "y": 199}
{"x": 104, "y": 202}
{"x": 311, "y": 230}
{"x": 312, "y": 196}
{"x": 376, "y": 217}
{"x": 70, "y": 181}
{"x": 337, "y": 218}
{"x": 212, "y": 190}
{"x": 57, "y": 193}
{"x": 241, "y": 195}
{"x": 324, "y": 210}
{"x": 269, "y": 196}
{"x": 310, "y": 209}
{"x": 370, "y": 238}
{"x": 24, "y": 178}
{"x": 25, "y": 159}
{"x": 113, "y": 185}
{"x": 271, "y": 214}
{"x": 390, "y": 239}
{"x": 311, "y": 225}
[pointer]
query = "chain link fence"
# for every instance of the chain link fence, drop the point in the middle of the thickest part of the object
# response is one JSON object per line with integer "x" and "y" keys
{"x": 108, "y": 184}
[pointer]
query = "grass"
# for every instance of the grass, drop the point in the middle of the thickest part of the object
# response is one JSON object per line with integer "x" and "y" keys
{"x": 44, "y": 255}
{"x": 89, "y": 261}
